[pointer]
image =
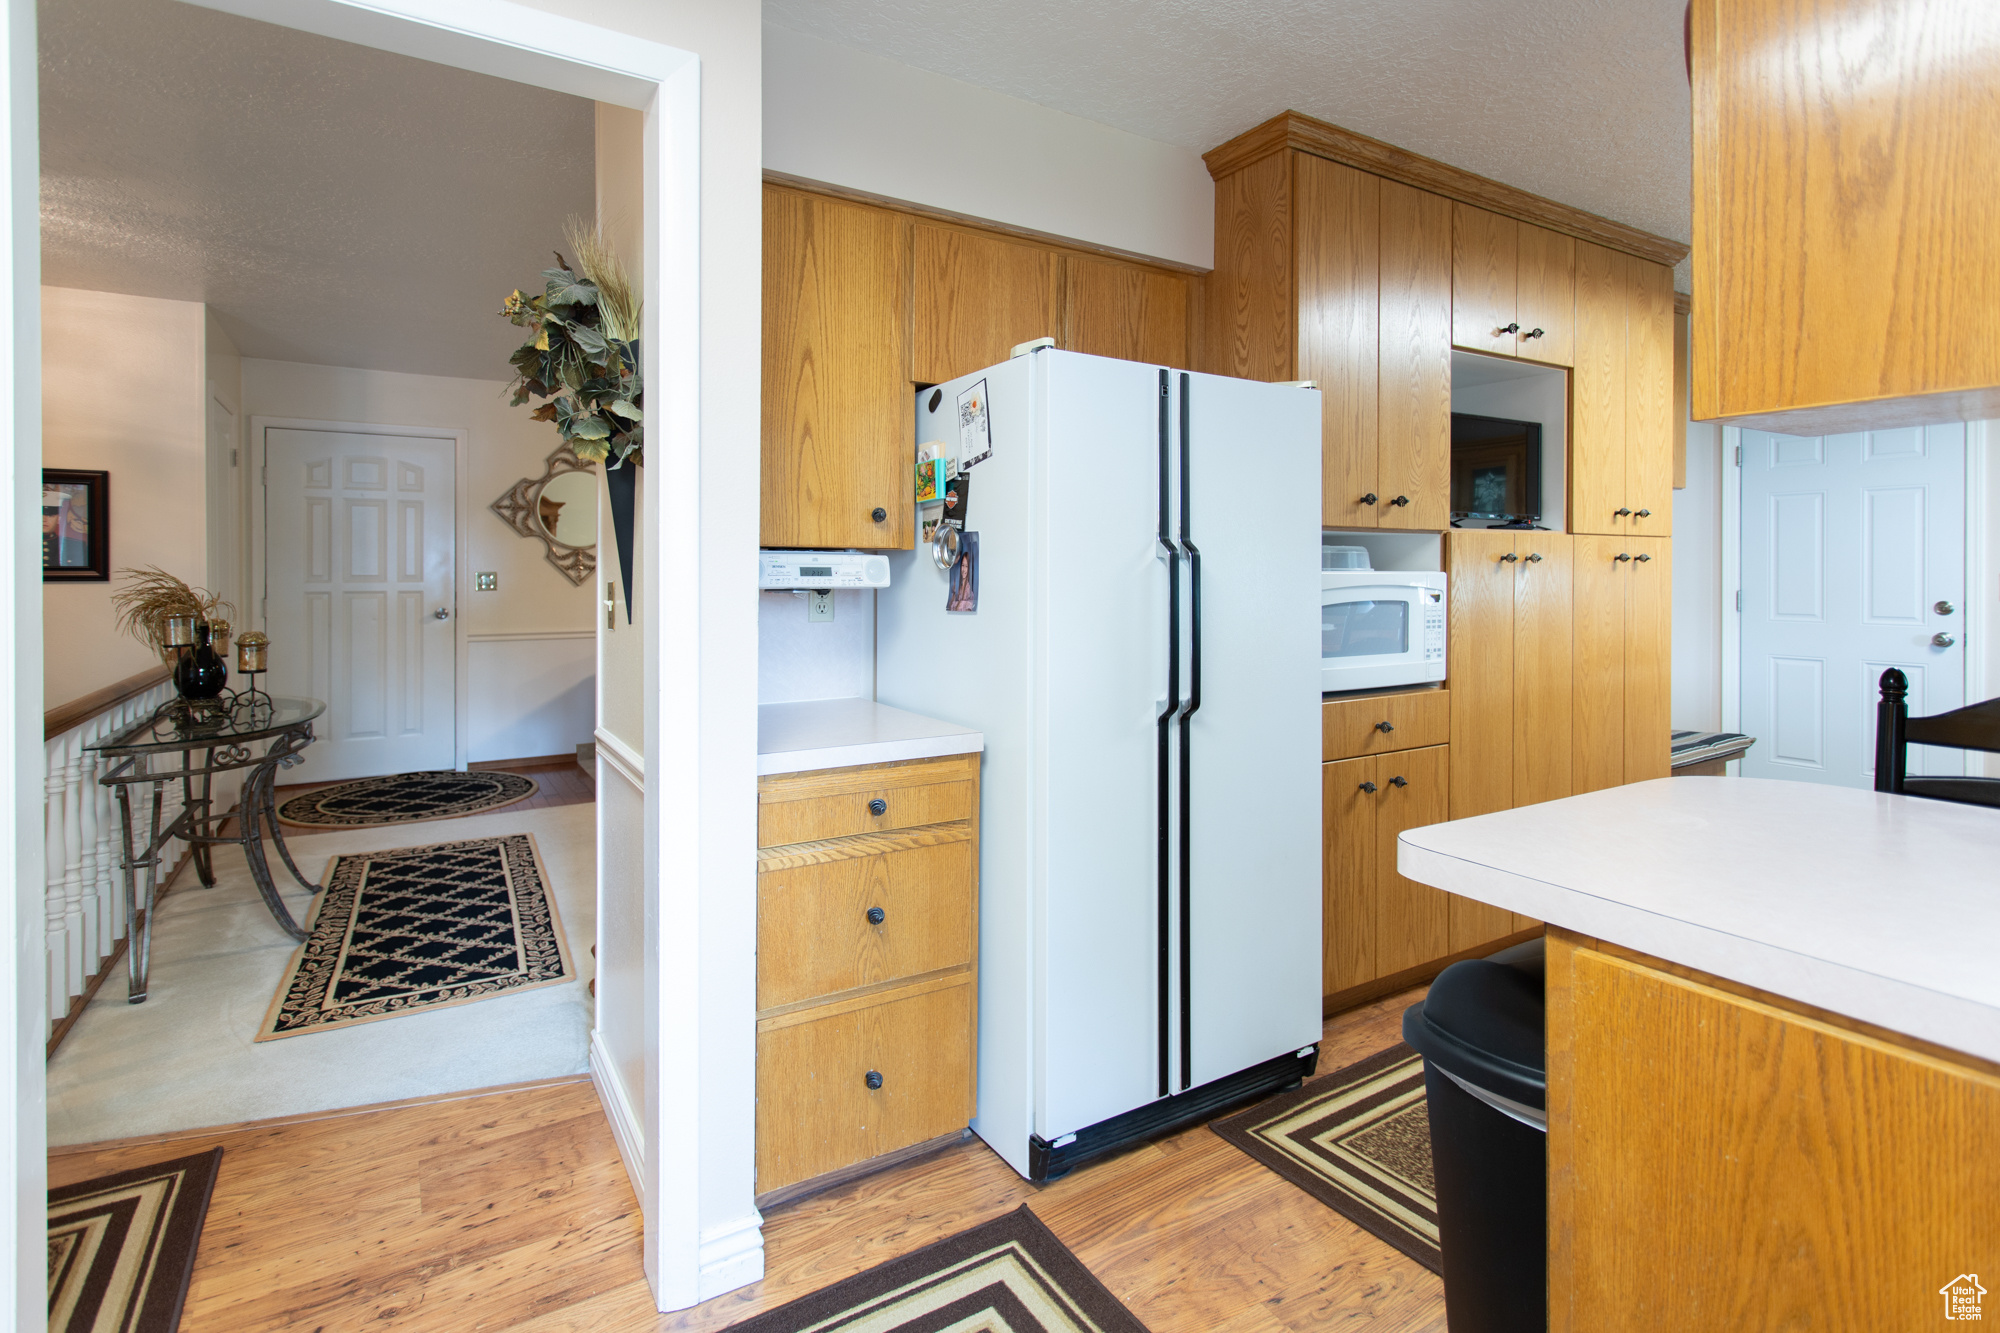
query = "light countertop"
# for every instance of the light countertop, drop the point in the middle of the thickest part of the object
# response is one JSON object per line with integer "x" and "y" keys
{"x": 839, "y": 733}
{"x": 1882, "y": 908}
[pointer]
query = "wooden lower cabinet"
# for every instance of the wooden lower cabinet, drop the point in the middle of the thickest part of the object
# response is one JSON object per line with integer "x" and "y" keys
{"x": 1723, "y": 1159}
{"x": 1623, "y": 645}
{"x": 867, "y": 963}
{"x": 1375, "y": 922}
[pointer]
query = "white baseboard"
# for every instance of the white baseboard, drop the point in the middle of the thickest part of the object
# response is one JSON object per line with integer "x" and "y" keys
{"x": 618, "y": 1109}
{"x": 732, "y": 1255}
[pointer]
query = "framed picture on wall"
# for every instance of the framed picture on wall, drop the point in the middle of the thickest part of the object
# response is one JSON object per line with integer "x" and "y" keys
{"x": 76, "y": 526}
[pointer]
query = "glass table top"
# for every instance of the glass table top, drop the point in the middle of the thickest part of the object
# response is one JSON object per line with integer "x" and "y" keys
{"x": 246, "y": 718}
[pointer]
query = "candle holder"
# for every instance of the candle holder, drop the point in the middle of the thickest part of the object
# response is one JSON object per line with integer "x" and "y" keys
{"x": 252, "y": 656}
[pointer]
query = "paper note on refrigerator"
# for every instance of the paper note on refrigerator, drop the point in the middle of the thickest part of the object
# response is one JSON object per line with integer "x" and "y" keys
{"x": 975, "y": 428}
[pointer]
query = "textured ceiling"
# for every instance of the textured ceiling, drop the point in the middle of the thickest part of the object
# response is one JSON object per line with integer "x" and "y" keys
{"x": 1583, "y": 101}
{"x": 333, "y": 204}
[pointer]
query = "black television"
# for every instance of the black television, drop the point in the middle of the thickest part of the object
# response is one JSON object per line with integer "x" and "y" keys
{"x": 1496, "y": 469}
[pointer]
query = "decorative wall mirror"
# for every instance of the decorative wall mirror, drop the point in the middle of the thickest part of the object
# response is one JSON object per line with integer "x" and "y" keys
{"x": 560, "y": 508}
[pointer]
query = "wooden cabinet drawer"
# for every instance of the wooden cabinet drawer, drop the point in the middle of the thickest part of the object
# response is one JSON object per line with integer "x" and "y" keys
{"x": 838, "y": 803}
{"x": 814, "y": 935}
{"x": 815, "y": 1110}
{"x": 1350, "y": 728}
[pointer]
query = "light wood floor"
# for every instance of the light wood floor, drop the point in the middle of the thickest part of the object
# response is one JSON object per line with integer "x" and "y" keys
{"x": 511, "y": 1211}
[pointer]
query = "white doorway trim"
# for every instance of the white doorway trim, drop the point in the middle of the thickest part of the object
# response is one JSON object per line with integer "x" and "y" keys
{"x": 257, "y": 590}
{"x": 1732, "y": 582}
{"x": 702, "y": 1232}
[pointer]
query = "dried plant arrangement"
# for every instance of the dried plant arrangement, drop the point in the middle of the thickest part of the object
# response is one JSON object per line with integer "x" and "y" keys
{"x": 583, "y": 352}
{"x": 151, "y": 595}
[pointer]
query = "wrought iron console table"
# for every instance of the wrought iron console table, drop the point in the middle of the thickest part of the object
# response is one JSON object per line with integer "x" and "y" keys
{"x": 223, "y": 737}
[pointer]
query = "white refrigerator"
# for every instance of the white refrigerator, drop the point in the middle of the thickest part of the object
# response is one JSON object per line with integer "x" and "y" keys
{"x": 1144, "y": 661}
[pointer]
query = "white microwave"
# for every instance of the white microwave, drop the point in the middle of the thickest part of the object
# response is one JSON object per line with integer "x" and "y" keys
{"x": 1379, "y": 628}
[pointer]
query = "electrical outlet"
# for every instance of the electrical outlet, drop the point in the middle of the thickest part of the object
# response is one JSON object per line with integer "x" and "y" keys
{"x": 486, "y": 580}
{"x": 819, "y": 604}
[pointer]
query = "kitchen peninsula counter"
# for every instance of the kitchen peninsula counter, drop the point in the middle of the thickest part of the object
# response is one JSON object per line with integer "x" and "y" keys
{"x": 1773, "y": 1047}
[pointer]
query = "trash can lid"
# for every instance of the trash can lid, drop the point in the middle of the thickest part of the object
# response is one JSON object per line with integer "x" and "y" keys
{"x": 1483, "y": 1021}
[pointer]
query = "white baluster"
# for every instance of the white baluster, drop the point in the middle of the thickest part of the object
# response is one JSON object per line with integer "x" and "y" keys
{"x": 57, "y": 983}
{"x": 75, "y": 970}
{"x": 88, "y": 886}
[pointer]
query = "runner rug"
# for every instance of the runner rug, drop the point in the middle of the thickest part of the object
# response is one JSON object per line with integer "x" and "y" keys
{"x": 404, "y": 798}
{"x": 1359, "y": 1141}
{"x": 121, "y": 1247}
{"x": 1010, "y": 1274}
{"x": 421, "y": 928}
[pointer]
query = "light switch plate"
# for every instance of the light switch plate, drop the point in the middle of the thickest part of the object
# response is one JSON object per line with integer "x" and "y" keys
{"x": 486, "y": 580}
{"x": 819, "y": 604}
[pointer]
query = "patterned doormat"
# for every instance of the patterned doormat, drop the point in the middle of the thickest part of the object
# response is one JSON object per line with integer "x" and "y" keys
{"x": 121, "y": 1247}
{"x": 1010, "y": 1275}
{"x": 422, "y": 928}
{"x": 1359, "y": 1141}
{"x": 404, "y": 798}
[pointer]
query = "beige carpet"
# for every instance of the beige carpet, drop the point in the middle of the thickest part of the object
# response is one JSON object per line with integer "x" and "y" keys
{"x": 188, "y": 1057}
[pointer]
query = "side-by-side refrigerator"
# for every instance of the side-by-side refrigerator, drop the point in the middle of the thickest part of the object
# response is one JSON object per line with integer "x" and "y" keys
{"x": 1142, "y": 653}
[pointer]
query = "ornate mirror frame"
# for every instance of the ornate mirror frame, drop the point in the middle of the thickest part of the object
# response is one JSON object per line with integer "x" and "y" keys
{"x": 520, "y": 509}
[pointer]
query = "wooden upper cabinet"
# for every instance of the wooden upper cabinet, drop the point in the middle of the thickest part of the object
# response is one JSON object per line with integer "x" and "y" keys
{"x": 1124, "y": 310}
{"x": 1484, "y": 254}
{"x": 1513, "y": 287}
{"x": 1252, "y": 319}
{"x": 1597, "y": 394}
{"x": 1339, "y": 262}
{"x": 838, "y": 427}
{"x": 1546, "y": 306}
{"x": 1845, "y": 271}
{"x": 977, "y": 298}
{"x": 1414, "y": 360}
{"x": 1649, "y": 397}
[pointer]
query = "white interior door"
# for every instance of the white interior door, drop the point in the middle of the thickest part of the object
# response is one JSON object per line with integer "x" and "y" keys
{"x": 1853, "y": 562}
{"x": 360, "y": 572}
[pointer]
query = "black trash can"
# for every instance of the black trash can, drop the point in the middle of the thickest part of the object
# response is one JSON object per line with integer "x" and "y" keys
{"x": 1480, "y": 1031}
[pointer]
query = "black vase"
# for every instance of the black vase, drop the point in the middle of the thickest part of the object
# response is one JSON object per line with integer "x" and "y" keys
{"x": 201, "y": 673}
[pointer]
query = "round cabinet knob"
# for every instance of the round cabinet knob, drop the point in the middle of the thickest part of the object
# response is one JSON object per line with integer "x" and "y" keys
{"x": 1368, "y": 499}
{"x": 876, "y": 916}
{"x": 1369, "y": 786}
{"x": 879, "y": 514}
{"x": 1621, "y": 556}
{"x": 1385, "y": 727}
{"x": 1531, "y": 333}
{"x": 1642, "y": 559}
{"x": 1534, "y": 557}
{"x": 874, "y": 1081}
{"x": 1399, "y": 781}
{"x": 1644, "y": 513}
{"x": 1400, "y": 501}
{"x": 1942, "y": 640}
{"x": 1509, "y": 558}
{"x": 878, "y": 806}
{"x": 1620, "y": 513}
{"x": 1507, "y": 328}
{"x": 1945, "y": 609}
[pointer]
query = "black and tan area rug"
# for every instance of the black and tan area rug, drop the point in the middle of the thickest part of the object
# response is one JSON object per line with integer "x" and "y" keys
{"x": 1359, "y": 1141}
{"x": 1010, "y": 1275}
{"x": 121, "y": 1247}
{"x": 421, "y": 928}
{"x": 404, "y": 798}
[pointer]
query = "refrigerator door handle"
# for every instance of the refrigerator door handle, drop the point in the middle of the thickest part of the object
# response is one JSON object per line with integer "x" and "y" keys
{"x": 1193, "y": 701}
{"x": 1163, "y": 850}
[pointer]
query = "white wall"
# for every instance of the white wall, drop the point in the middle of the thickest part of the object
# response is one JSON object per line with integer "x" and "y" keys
{"x": 122, "y": 391}
{"x": 1699, "y": 597}
{"x": 844, "y": 117}
{"x": 531, "y": 665}
{"x": 800, "y": 659}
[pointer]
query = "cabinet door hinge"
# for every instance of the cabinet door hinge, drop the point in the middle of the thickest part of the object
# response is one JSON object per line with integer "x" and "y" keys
{"x": 1739, "y": 601}
{"x": 1739, "y": 455}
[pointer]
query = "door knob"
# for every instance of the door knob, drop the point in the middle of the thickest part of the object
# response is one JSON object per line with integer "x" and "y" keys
{"x": 1400, "y": 501}
{"x": 1944, "y": 608}
{"x": 1621, "y": 556}
{"x": 442, "y": 613}
{"x": 1507, "y": 328}
{"x": 1531, "y": 333}
{"x": 1385, "y": 727}
{"x": 1534, "y": 557}
{"x": 1368, "y": 499}
{"x": 1369, "y": 786}
{"x": 1942, "y": 640}
{"x": 873, "y": 1080}
{"x": 1642, "y": 559}
{"x": 1509, "y": 558}
{"x": 876, "y": 916}
{"x": 878, "y": 806}
{"x": 879, "y": 514}
{"x": 1399, "y": 781}
{"x": 1620, "y": 513}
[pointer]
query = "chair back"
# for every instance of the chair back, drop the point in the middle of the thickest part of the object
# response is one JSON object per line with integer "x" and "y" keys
{"x": 1974, "y": 727}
